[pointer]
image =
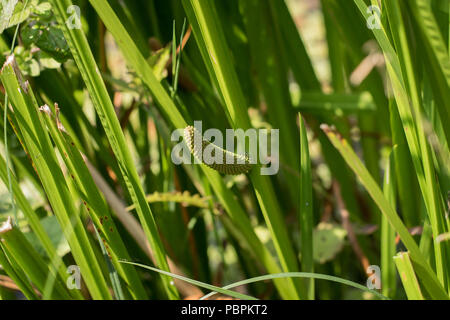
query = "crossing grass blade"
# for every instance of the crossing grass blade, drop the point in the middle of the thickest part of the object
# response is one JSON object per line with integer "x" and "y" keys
{"x": 408, "y": 277}
{"x": 339, "y": 104}
{"x": 304, "y": 275}
{"x": 225, "y": 290}
{"x": 195, "y": 282}
{"x": 388, "y": 250}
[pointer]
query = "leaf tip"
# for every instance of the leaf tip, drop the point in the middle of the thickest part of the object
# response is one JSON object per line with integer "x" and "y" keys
{"x": 6, "y": 226}
{"x": 11, "y": 62}
{"x": 327, "y": 129}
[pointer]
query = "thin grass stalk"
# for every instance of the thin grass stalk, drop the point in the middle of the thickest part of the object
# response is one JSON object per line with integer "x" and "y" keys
{"x": 177, "y": 62}
{"x": 303, "y": 275}
{"x": 225, "y": 290}
{"x": 174, "y": 50}
{"x": 388, "y": 250}
{"x": 196, "y": 283}
{"x": 113, "y": 276}
{"x": 306, "y": 209}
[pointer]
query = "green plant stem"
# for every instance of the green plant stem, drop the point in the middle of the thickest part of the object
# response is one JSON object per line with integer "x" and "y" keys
{"x": 388, "y": 250}
{"x": 306, "y": 209}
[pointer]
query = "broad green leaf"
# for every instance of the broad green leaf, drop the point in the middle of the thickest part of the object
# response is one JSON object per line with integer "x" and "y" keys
{"x": 7, "y": 10}
{"x": 48, "y": 38}
{"x": 20, "y": 13}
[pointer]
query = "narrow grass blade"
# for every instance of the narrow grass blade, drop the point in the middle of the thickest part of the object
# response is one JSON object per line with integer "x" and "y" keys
{"x": 388, "y": 250}
{"x": 337, "y": 103}
{"x": 174, "y": 47}
{"x": 408, "y": 188}
{"x": 114, "y": 277}
{"x": 8, "y": 9}
{"x": 306, "y": 209}
{"x": 408, "y": 276}
{"x": 176, "y": 69}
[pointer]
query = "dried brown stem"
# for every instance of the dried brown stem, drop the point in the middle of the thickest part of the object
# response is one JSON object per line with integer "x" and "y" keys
{"x": 348, "y": 226}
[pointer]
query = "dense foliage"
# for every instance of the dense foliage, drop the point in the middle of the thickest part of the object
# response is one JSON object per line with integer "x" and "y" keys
{"x": 92, "y": 91}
